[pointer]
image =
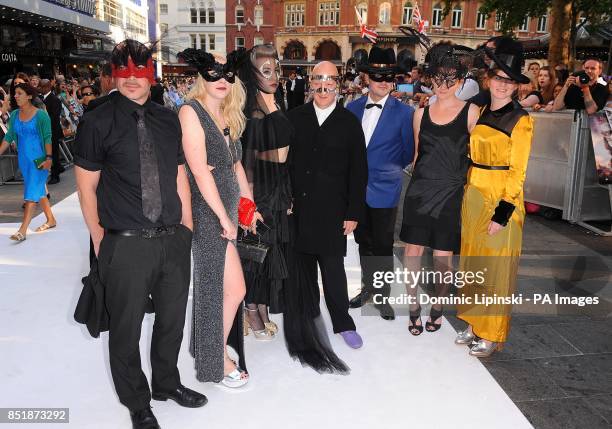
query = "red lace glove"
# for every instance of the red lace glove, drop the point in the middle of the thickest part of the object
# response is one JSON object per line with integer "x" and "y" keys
{"x": 246, "y": 210}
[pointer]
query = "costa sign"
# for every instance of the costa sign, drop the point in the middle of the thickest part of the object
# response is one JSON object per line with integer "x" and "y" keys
{"x": 8, "y": 57}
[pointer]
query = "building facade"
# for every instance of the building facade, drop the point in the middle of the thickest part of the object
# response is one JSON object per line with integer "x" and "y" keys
{"x": 50, "y": 37}
{"x": 198, "y": 24}
{"x": 308, "y": 31}
{"x": 128, "y": 19}
{"x": 249, "y": 23}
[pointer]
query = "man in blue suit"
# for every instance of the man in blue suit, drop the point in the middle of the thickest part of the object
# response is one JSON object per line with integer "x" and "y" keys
{"x": 387, "y": 126}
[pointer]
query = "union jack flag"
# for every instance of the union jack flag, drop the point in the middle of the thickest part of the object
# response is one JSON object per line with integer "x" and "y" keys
{"x": 366, "y": 33}
{"x": 419, "y": 23}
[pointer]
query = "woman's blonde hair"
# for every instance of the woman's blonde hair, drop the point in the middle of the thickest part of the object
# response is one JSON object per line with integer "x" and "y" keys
{"x": 232, "y": 105}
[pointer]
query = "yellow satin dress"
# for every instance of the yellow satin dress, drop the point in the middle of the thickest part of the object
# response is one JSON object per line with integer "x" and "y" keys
{"x": 500, "y": 138}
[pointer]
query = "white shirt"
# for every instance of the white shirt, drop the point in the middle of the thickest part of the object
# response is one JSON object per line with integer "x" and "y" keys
{"x": 46, "y": 95}
{"x": 323, "y": 114}
{"x": 292, "y": 84}
{"x": 371, "y": 117}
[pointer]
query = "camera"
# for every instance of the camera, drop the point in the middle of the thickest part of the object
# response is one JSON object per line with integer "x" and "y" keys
{"x": 583, "y": 78}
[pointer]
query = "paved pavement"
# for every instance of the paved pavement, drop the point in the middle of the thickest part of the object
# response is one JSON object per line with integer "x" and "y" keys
{"x": 557, "y": 365}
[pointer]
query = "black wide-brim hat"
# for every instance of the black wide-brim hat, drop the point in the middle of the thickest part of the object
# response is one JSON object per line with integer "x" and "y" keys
{"x": 508, "y": 56}
{"x": 380, "y": 61}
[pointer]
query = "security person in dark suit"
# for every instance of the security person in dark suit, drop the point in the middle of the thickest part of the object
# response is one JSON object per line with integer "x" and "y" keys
{"x": 54, "y": 109}
{"x": 107, "y": 87}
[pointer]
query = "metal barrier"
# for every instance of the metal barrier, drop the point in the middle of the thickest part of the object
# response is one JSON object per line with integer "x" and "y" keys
{"x": 561, "y": 171}
{"x": 9, "y": 167}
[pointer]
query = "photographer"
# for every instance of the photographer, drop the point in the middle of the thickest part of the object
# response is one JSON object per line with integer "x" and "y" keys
{"x": 582, "y": 91}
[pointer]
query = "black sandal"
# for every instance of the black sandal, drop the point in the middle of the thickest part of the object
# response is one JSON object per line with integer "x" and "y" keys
{"x": 415, "y": 329}
{"x": 434, "y": 315}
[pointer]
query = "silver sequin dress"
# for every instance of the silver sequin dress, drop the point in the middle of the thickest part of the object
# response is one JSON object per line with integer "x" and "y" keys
{"x": 209, "y": 249}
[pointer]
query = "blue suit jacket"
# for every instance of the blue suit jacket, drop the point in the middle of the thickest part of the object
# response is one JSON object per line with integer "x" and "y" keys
{"x": 390, "y": 150}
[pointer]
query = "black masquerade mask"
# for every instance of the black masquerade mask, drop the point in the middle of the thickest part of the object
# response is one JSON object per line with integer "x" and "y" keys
{"x": 382, "y": 77}
{"x": 208, "y": 67}
{"x": 447, "y": 64}
{"x": 442, "y": 77}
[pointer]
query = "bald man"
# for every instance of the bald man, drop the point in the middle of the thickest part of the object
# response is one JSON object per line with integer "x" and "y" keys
{"x": 329, "y": 175}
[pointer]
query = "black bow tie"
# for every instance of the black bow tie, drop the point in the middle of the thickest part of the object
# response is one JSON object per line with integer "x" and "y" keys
{"x": 370, "y": 105}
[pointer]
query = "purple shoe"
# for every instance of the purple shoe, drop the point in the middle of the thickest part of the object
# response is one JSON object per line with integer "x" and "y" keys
{"x": 352, "y": 339}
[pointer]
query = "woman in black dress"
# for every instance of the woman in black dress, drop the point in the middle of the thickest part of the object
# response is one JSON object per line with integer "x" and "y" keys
{"x": 266, "y": 147}
{"x": 432, "y": 204}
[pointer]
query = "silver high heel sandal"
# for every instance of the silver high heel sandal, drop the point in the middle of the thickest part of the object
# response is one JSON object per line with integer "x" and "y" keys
{"x": 260, "y": 335}
{"x": 236, "y": 378}
{"x": 482, "y": 349}
{"x": 465, "y": 337}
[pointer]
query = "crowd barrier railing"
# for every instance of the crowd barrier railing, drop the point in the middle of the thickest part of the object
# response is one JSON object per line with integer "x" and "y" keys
{"x": 561, "y": 171}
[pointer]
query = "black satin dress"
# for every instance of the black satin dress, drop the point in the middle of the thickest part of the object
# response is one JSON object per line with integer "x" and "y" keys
{"x": 432, "y": 204}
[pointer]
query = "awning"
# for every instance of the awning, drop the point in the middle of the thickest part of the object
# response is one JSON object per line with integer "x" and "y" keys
{"x": 46, "y": 14}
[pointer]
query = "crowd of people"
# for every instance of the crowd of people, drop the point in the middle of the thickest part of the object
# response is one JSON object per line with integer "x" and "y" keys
{"x": 261, "y": 179}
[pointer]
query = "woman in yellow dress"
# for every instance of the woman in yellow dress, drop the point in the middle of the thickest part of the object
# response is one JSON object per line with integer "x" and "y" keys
{"x": 492, "y": 212}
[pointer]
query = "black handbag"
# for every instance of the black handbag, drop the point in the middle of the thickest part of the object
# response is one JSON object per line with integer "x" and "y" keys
{"x": 251, "y": 248}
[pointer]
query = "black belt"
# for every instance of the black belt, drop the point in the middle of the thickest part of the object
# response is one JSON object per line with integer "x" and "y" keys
{"x": 491, "y": 167}
{"x": 160, "y": 231}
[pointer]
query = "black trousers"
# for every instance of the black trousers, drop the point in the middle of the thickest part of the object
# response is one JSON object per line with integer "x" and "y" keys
{"x": 375, "y": 239}
{"x": 334, "y": 287}
{"x": 56, "y": 167}
{"x": 131, "y": 269}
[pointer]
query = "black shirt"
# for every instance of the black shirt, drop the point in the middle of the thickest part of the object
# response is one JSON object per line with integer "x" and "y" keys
{"x": 107, "y": 141}
{"x": 574, "y": 98}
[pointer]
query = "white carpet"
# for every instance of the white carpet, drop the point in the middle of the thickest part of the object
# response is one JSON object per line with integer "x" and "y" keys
{"x": 48, "y": 360}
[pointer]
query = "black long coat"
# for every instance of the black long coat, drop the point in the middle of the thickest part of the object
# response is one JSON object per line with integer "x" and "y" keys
{"x": 329, "y": 175}
{"x": 54, "y": 109}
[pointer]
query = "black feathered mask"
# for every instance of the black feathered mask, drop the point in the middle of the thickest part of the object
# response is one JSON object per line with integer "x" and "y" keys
{"x": 208, "y": 67}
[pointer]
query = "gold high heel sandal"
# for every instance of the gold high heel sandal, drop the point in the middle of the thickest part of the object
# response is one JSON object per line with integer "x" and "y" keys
{"x": 260, "y": 335}
{"x": 272, "y": 327}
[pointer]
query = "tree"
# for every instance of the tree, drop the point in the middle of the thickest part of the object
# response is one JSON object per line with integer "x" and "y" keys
{"x": 567, "y": 17}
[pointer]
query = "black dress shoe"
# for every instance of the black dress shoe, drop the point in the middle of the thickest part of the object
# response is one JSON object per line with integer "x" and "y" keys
{"x": 360, "y": 299}
{"x": 144, "y": 419}
{"x": 386, "y": 311}
{"x": 53, "y": 180}
{"x": 183, "y": 396}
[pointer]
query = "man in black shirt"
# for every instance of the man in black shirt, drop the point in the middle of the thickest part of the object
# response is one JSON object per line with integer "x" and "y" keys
{"x": 135, "y": 199}
{"x": 591, "y": 96}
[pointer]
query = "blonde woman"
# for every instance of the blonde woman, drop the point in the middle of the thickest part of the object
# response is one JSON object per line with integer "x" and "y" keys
{"x": 212, "y": 122}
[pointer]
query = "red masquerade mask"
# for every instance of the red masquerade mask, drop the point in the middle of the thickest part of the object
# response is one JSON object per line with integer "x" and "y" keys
{"x": 147, "y": 72}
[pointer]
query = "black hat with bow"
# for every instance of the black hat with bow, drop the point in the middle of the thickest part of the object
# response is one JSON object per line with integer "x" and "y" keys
{"x": 508, "y": 56}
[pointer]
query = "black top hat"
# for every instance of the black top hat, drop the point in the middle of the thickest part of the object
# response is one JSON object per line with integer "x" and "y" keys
{"x": 508, "y": 56}
{"x": 381, "y": 61}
